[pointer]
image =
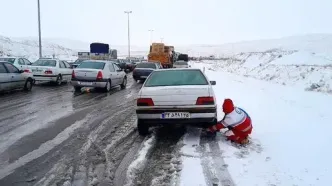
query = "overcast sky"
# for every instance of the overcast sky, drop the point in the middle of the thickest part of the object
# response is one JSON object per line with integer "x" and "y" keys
{"x": 177, "y": 21}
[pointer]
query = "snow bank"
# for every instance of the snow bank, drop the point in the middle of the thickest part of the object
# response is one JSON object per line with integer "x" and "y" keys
{"x": 291, "y": 137}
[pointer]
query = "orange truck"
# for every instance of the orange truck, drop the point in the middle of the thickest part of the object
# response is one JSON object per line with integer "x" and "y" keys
{"x": 161, "y": 53}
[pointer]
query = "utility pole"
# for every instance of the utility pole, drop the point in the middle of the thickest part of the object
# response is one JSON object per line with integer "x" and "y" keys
{"x": 39, "y": 31}
{"x": 151, "y": 31}
{"x": 128, "y": 12}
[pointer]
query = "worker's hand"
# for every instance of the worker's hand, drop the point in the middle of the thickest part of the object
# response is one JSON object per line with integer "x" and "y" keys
{"x": 230, "y": 127}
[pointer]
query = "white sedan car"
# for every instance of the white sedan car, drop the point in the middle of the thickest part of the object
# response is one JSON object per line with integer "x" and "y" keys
{"x": 98, "y": 74}
{"x": 176, "y": 96}
{"x": 19, "y": 62}
{"x": 51, "y": 70}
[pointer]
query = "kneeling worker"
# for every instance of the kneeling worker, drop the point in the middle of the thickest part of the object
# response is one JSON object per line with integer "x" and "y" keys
{"x": 237, "y": 121}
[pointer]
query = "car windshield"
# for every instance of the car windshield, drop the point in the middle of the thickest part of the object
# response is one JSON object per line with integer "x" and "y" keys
{"x": 146, "y": 65}
{"x": 176, "y": 78}
{"x": 9, "y": 60}
{"x": 78, "y": 61}
{"x": 180, "y": 63}
{"x": 92, "y": 65}
{"x": 41, "y": 62}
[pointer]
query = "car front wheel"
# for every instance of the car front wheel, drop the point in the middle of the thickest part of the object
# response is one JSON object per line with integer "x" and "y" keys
{"x": 143, "y": 129}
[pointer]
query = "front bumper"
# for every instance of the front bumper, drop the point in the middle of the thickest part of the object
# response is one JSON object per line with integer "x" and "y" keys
{"x": 46, "y": 78}
{"x": 200, "y": 117}
{"x": 95, "y": 84}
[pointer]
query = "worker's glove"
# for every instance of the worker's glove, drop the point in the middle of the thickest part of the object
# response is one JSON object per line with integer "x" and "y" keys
{"x": 230, "y": 127}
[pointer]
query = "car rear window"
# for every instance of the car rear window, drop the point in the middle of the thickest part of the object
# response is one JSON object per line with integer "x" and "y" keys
{"x": 41, "y": 62}
{"x": 176, "y": 78}
{"x": 9, "y": 60}
{"x": 146, "y": 65}
{"x": 180, "y": 63}
{"x": 92, "y": 65}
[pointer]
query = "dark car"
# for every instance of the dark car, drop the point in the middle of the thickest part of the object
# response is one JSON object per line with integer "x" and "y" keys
{"x": 76, "y": 63}
{"x": 143, "y": 70}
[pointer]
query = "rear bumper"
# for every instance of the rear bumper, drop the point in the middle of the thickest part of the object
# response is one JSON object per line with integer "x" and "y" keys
{"x": 199, "y": 117}
{"x": 96, "y": 84}
{"x": 46, "y": 78}
{"x": 140, "y": 77}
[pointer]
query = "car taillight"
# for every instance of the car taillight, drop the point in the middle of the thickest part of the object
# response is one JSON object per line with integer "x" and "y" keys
{"x": 73, "y": 76}
{"x": 100, "y": 75}
{"x": 27, "y": 71}
{"x": 48, "y": 72}
{"x": 205, "y": 101}
{"x": 145, "y": 102}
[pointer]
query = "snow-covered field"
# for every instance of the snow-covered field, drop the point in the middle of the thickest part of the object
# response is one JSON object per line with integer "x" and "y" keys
{"x": 306, "y": 71}
{"x": 291, "y": 141}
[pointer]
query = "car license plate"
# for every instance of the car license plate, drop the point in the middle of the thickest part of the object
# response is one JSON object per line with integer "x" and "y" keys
{"x": 144, "y": 76}
{"x": 85, "y": 83}
{"x": 36, "y": 70}
{"x": 175, "y": 115}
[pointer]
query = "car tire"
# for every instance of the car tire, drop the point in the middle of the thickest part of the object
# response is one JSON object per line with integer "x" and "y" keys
{"x": 28, "y": 85}
{"x": 143, "y": 129}
{"x": 108, "y": 86}
{"x": 124, "y": 83}
{"x": 77, "y": 89}
{"x": 58, "y": 81}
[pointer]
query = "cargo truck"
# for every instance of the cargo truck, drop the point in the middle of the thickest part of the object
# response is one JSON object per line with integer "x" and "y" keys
{"x": 99, "y": 51}
{"x": 161, "y": 53}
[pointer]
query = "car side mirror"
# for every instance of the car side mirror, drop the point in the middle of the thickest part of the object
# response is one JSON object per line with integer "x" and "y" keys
{"x": 213, "y": 82}
{"x": 20, "y": 71}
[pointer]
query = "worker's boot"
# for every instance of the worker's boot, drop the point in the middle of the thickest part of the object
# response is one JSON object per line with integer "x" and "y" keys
{"x": 245, "y": 141}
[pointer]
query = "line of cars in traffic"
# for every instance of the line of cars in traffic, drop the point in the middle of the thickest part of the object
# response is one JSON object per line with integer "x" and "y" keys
{"x": 179, "y": 95}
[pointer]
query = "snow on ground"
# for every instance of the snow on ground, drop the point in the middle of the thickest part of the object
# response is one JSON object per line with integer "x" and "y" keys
{"x": 291, "y": 137}
{"x": 294, "y": 68}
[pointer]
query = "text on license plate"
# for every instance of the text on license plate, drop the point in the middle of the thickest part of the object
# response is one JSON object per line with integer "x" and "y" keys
{"x": 175, "y": 115}
{"x": 85, "y": 83}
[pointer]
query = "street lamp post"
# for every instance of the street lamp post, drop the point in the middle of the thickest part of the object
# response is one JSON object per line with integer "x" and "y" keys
{"x": 39, "y": 31}
{"x": 128, "y": 12}
{"x": 150, "y": 35}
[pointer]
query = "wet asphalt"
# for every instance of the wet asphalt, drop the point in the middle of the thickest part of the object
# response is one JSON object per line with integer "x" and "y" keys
{"x": 55, "y": 136}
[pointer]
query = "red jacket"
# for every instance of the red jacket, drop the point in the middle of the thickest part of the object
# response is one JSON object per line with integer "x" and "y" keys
{"x": 237, "y": 120}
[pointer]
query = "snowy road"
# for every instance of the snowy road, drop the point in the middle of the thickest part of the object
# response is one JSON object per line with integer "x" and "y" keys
{"x": 53, "y": 136}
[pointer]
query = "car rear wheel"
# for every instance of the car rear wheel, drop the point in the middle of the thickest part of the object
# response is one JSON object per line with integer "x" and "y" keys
{"x": 143, "y": 129}
{"x": 28, "y": 85}
{"x": 58, "y": 80}
{"x": 124, "y": 83}
{"x": 107, "y": 86}
{"x": 77, "y": 89}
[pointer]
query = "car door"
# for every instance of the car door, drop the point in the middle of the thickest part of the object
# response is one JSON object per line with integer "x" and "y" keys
{"x": 67, "y": 71}
{"x": 63, "y": 70}
{"x": 21, "y": 64}
{"x": 17, "y": 80}
{"x": 113, "y": 74}
{"x": 4, "y": 78}
{"x": 119, "y": 73}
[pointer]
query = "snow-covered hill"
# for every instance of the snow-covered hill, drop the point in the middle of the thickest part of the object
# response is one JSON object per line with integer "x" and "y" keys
{"x": 29, "y": 48}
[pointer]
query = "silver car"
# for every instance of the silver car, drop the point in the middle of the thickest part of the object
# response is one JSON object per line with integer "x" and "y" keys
{"x": 98, "y": 74}
{"x": 176, "y": 96}
{"x": 13, "y": 78}
{"x": 181, "y": 64}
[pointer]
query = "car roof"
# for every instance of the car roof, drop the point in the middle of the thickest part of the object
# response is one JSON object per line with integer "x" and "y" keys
{"x": 173, "y": 69}
{"x": 103, "y": 61}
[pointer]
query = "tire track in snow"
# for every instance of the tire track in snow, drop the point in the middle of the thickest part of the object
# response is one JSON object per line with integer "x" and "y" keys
{"x": 213, "y": 164}
{"x": 162, "y": 162}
